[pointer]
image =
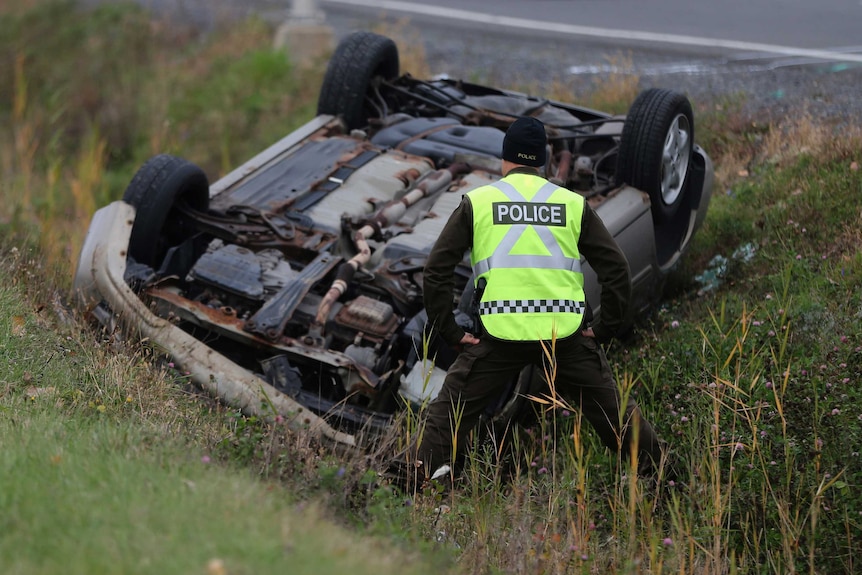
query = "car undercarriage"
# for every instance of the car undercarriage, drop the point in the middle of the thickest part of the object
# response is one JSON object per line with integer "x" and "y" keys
{"x": 298, "y": 276}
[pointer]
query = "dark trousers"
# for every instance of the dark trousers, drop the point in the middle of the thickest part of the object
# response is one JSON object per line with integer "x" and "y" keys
{"x": 583, "y": 379}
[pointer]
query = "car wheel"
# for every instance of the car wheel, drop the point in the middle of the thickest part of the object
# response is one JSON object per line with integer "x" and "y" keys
{"x": 154, "y": 191}
{"x": 358, "y": 59}
{"x": 656, "y": 148}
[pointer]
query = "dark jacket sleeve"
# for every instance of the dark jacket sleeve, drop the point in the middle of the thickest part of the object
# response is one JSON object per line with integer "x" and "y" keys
{"x": 439, "y": 283}
{"x": 612, "y": 269}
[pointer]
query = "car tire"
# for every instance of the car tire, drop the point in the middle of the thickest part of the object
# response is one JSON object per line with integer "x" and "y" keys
{"x": 358, "y": 59}
{"x": 154, "y": 191}
{"x": 656, "y": 147}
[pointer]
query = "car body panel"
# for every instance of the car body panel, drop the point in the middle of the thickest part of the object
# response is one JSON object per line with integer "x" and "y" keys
{"x": 99, "y": 280}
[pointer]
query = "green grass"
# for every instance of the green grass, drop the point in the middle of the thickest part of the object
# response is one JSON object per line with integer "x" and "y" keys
{"x": 90, "y": 485}
{"x": 753, "y": 381}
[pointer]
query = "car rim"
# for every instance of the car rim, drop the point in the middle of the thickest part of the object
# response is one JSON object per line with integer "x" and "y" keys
{"x": 677, "y": 149}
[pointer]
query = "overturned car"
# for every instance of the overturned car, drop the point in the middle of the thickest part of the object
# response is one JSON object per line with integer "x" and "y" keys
{"x": 293, "y": 285}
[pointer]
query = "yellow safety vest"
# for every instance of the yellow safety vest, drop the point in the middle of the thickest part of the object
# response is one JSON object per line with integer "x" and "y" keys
{"x": 525, "y": 247}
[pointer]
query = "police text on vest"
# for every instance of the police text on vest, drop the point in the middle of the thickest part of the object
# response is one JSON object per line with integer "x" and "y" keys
{"x": 510, "y": 213}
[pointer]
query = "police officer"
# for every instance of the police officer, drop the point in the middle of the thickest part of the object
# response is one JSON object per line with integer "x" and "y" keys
{"x": 526, "y": 237}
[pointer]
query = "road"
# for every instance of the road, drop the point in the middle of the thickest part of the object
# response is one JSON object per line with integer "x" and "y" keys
{"x": 828, "y": 28}
{"x": 778, "y": 56}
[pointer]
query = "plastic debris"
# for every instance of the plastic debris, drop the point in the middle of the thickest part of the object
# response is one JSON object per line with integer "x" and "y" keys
{"x": 716, "y": 270}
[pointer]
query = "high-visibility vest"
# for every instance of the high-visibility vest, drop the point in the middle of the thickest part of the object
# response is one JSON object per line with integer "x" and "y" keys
{"x": 525, "y": 248}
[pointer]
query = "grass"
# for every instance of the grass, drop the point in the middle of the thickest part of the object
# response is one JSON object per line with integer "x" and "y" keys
{"x": 103, "y": 473}
{"x": 749, "y": 372}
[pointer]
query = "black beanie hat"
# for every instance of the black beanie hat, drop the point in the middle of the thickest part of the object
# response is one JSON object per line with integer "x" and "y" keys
{"x": 525, "y": 143}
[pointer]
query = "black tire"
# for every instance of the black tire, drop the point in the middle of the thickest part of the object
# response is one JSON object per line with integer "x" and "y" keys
{"x": 656, "y": 149}
{"x": 358, "y": 59}
{"x": 154, "y": 191}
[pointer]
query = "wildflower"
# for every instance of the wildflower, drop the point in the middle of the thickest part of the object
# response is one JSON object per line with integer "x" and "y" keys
{"x": 566, "y": 413}
{"x": 340, "y": 472}
{"x": 667, "y": 542}
{"x": 836, "y": 411}
{"x": 843, "y": 339}
{"x": 674, "y": 324}
{"x": 205, "y": 459}
{"x": 683, "y": 419}
{"x": 762, "y": 434}
{"x": 738, "y": 447}
{"x": 755, "y": 323}
{"x": 543, "y": 470}
{"x": 279, "y": 418}
{"x": 771, "y": 333}
{"x": 671, "y": 483}
{"x": 768, "y": 385}
{"x": 799, "y": 256}
{"x": 533, "y": 464}
{"x": 845, "y": 380}
{"x": 773, "y": 462}
{"x": 584, "y": 557}
{"x": 171, "y": 365}
{"x": 769, "y": 296}
{"x": 818, "y": 444}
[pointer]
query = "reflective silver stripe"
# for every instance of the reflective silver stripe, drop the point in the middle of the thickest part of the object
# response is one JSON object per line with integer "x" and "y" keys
{"x": 514, "y": 195}
{"x": 501, "y": 259}
{"x": 531, "y": 305}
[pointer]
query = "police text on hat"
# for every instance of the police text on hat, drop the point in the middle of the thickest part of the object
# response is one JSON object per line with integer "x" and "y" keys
{"x": 526, "y": 143}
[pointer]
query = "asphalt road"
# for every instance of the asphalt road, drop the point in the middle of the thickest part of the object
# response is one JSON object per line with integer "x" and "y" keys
{"x": 785, "y": 27}
{"x": 708, "y": 50}
{"x": 777, "y": 56}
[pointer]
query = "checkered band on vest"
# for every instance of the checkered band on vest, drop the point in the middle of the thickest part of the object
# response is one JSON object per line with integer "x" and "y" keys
{"x": 531, "y": 306}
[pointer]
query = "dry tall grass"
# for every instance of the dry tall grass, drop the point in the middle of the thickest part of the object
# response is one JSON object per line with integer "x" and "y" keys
{"x": 584, "y": 512}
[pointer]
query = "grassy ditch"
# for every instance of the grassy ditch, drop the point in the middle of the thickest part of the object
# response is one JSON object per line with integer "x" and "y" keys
{"x": 93, "y": 483}
{"x": 749, "y": 369}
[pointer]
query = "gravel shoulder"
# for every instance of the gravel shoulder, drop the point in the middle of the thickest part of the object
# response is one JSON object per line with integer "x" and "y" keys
{"x": 767, "y": 87}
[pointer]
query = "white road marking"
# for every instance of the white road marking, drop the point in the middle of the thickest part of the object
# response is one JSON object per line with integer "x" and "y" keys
{"x": 591, "y": 31}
